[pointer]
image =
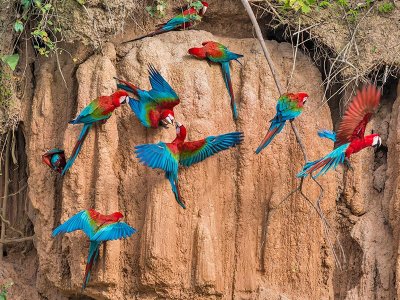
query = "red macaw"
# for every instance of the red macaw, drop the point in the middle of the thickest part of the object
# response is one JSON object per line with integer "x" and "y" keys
{"x": 350, "y": 137}
{"x": 99, "y": 110}
{"x": 55, "y": 159}
{"x": 186, "y": 19}
{"x": 289, "y": 107}
{"x": 168, "y": 156}
{"x": 155, "y": 107}
{"x": 218, "y": 53}
{"x": 98, "y": 228}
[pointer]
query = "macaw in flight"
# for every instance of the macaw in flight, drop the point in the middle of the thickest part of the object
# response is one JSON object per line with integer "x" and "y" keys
{"x": 55, "y": 159}
{"x": 168, "y": 156}
{"x": 155, "y": 107}
{"x": 192, "y": 14}
{"x": 350, "y": 137}
{"x": 289, "y": 107}
{"x": 218, "y": 53}
{"x": 99, "y": 110}
{"x": 98, "y": 228}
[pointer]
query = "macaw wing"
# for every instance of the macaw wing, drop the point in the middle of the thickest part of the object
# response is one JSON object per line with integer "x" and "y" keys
{"x": 80, "y": 221}
{"x": 158, "y": 156}
{"x": 327, "y": 134}
{"x": 113, "y": 231}
{"x": 287, "y": 109}
{"x": 177, "y": 21}
{"x": 358, "y": 114}
{"x": 194, "y": 152}
{"x": 162, "y": 93}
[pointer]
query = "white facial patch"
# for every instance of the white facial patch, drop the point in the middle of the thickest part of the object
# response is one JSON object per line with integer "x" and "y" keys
{"x": 122, "y": 99}
{"x": 305, "y": 99}
{"x": 376, "y": 141}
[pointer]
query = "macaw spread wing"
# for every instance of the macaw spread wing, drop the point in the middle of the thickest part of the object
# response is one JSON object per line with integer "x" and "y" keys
{"x": 358, "y": 114}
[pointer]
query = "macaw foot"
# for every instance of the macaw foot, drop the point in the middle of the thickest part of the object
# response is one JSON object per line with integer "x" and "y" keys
{"x": 348, "y": 164}
{"x": 209, "y": 63}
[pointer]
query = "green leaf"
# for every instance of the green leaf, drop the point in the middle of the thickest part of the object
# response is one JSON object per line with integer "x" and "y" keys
{"x": 47, "y": 6}
{"x": 81, "y": 2}
{"x": 3, "y": 296}
{"x": 26, "y": 4}
{"x": 18, "y": 26}
{"x": 11, "y": 60}
{"x": 305, "y": 9}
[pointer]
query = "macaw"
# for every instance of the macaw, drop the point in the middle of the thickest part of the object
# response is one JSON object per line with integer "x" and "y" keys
{"x": 168, "y": 156}
{"x": 184, "y": 20}
{"x": 55, "y": 159}
{"x": 98, "y": 228}
{"x": 289, "y": 107}
{"x": 155, "y": 107}
{"x": 218, "y": 53}
{"x": 99, "y": 110}
{"x": 350, "y": 137}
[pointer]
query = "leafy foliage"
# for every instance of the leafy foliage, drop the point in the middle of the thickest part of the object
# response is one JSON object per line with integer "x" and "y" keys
{"x": 44, "y": 33}
{"x": 11, "y": 60}
{"x": 4, "y": 290}
{"x": 157, "y": 10}
{"x": 386, "y": 7}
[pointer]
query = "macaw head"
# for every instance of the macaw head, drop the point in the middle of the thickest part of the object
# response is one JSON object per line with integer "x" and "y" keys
{"x": 197, "y": 52}
{"x": 302, "y": 97}
{"x": 180, "y": 130}
{"x": 205, "y": 6}
{"x": 167, "y": 118}
{"x": 55, "y": 159}
{"x": 119, "y": 97}
{"x": 116, "y": 216}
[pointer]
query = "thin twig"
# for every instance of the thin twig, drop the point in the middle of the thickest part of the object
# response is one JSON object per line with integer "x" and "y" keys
{"x": 23, "y": 239}
{"x": 262, "y": 43}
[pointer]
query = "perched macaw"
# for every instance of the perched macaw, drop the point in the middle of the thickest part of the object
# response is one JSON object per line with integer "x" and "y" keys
{"x": 289, "y": 107}
{"x": 168, "y": 156}
{"x": 55, "y": 159}
{"x": 184, "y": 20}
{"x": 99, "y": 110}
{"x": 350, "y": 137}
{"x": 218, "y": 53}
{"x": 98, "y": 228}
{"x": 155, "y": 107}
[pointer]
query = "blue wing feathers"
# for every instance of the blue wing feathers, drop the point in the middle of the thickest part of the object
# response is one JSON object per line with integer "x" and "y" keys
{"x": 213, "y": 145}
{"x": 328, "y": 134}
{"x": 330, "y": 161}
{"x": 114, "y": 231}
{"x": 80, "y": 221}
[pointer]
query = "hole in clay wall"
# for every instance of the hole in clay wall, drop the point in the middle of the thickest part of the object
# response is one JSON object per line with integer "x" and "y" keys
{"x": 18, "y": 205}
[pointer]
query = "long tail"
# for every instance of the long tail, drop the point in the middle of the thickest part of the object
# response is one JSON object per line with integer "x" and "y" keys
{"x": 157, "y": 32}
{"x": 77, "y": 148}
{"x": 273, "y": 130}
{"x": 227, "y": 78}
{"x": 175, "y": 188}
{"x": 127, "y": 86}
{"x": 332, "y": 160}
{"x": 93, "y": 254}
